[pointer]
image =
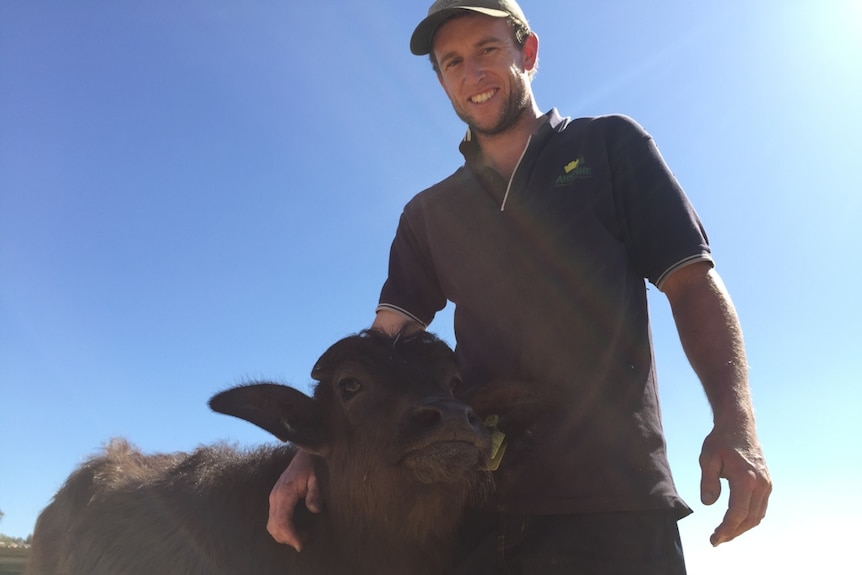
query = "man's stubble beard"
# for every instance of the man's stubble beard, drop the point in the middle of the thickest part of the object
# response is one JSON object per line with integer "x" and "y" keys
{"x": 516, "y": 104}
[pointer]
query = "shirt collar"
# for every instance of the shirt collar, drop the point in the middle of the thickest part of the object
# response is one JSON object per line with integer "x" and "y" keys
{"x": 551, "y": 122}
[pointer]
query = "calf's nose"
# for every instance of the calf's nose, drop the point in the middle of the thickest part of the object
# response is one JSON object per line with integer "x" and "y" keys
{"x": 433, "y": 414}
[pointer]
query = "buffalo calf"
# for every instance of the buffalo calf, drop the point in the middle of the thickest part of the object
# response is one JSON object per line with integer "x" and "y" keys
{"x": 397, "y": 458}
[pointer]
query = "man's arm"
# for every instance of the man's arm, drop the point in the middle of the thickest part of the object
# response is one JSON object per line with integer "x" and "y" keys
{"x": 392, "y": 322}
{"x": 712, "y": 339}
{"x": 298, "y": 480}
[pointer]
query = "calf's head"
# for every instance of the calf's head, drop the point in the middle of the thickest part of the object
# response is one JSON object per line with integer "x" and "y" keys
{"x": 382, "y": 414}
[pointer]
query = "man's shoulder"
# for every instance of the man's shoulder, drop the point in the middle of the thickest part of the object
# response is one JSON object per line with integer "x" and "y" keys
{"x": 614, "y": 124}
{"x": 597, "y": 136}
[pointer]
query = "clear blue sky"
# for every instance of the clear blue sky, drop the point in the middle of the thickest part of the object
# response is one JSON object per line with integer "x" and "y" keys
{"x": 193, "y": 193}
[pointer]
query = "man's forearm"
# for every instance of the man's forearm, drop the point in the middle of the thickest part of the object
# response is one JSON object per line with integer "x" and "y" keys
{"x": 711, "y": 336}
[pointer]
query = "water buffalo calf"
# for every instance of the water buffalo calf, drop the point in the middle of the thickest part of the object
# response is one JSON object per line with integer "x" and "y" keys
{"x": 396, "y": 455}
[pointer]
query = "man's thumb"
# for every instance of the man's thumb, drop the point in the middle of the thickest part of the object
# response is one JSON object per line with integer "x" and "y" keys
{"x": 710, "y": 482}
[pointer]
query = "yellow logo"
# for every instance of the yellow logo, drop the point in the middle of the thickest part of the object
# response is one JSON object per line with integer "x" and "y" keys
{"x": 575, "y": 170}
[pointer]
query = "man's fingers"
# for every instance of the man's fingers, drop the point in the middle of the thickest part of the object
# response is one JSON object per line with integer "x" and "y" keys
{"x": 296, "y": 482}
{"x": 283, "y": 532}
{"x": 762, "y": 498}
{"x": 282, "y": 499}
{"x": 760, "y": 488}
{"x": 738, "y": 512}
{"x": 279, "y": 524}
{"x": 746, "y": 506}
{"x": 741, "y": 463}
{"x": 312, "y": 498}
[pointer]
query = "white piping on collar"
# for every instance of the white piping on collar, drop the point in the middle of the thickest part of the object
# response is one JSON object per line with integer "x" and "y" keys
{"x": 515, "y": 171}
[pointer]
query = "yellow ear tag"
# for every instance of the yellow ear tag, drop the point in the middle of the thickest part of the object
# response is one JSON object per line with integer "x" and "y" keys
{"x": 498, "y": 442}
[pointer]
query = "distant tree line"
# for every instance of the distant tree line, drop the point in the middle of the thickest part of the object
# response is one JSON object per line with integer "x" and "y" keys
{"x": 5, "y": 539}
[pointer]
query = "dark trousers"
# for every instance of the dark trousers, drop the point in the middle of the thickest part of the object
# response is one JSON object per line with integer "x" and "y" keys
{"x": 630, "y": 543}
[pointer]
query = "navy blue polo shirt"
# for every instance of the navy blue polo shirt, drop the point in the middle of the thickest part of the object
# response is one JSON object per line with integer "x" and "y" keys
{"x": 548, "y": 276}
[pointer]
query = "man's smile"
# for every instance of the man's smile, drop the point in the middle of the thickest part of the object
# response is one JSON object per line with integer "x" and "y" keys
{"x": 483, "y": 97}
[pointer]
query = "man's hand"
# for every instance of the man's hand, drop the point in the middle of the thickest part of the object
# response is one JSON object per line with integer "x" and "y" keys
{"x": 740, "y": 461}
{"x": 297, "y": 481}
{"x": 712, "y": 339}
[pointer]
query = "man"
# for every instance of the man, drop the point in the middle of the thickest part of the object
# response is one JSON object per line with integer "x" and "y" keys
{"x": 543, "y": 240}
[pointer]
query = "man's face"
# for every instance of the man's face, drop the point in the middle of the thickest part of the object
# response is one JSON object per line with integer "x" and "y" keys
{"x": 483, "y": 71}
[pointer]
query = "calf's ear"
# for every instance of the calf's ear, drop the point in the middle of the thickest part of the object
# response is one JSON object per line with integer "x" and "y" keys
{"x": 288, "y": 414}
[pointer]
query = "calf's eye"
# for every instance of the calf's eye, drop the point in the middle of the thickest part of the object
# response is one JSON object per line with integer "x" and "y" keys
{"x": 349, "y": 387}
{"x": 454, "y": 384}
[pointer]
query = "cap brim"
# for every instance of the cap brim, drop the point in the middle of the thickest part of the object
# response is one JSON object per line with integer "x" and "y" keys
{"x": 420, "y": 42}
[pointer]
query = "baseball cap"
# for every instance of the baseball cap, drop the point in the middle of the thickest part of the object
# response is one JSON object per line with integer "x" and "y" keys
{"x": 441, "y": 10}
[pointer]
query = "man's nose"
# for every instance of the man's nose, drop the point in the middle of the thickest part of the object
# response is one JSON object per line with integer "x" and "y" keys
{"x": 475, "y": 70}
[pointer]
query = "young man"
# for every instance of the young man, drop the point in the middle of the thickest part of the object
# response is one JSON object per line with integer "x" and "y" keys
{"x": 544, "y": 240}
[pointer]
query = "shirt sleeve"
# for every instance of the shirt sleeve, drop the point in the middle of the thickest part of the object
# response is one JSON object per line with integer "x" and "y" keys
{"x": 411, "y": 288}
{"x": 661, "y": 229}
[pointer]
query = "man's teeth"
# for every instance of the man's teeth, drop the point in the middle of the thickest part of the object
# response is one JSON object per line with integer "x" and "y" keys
{"x": 483, "y": 97}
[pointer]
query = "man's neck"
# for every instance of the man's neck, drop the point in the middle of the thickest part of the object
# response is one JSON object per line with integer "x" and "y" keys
{"x": 502, "y": 152}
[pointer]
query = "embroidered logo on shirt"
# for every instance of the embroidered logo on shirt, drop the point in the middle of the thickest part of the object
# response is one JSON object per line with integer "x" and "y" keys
{"x": 574, "y": 170}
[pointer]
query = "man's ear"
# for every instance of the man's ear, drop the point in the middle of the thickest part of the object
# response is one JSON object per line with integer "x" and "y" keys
{"x": 531, "y": 52}
{"x": 288, "y": 414}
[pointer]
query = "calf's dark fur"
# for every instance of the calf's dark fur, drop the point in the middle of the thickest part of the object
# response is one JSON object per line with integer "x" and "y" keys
{"x": 397, "y": 458}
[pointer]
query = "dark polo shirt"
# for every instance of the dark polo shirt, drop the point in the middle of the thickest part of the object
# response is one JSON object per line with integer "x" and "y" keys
{"x": 547, "y": 273}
